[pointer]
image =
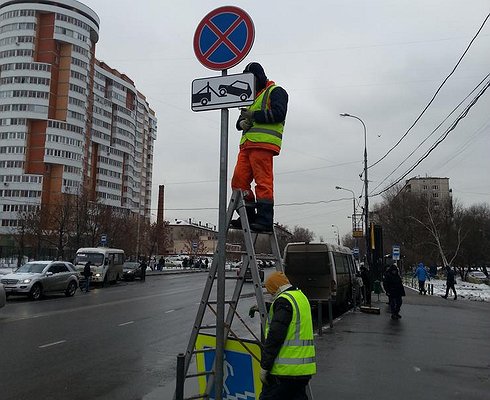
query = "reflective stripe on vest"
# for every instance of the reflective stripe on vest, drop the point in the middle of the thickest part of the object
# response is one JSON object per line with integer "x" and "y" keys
{"x": 297, "y": 355}
{"x": 264, "y": 133}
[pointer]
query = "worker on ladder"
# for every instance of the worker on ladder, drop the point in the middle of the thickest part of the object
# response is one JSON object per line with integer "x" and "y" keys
{"x": 288, "y": 355}
{"x": 262, "y": 126}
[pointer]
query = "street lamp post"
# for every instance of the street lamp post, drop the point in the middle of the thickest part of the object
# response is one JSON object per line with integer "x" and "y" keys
{"x": 354, "y": 219}
{"x": 353, "y": 199}
{"x": 366, "y": 199}
{"x": 338, "y": 233}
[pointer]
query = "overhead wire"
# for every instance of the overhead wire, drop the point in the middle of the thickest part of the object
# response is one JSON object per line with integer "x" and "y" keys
{"x": 463, "y": 147}
{"x": 434, "y": 130}
{"x": 435, "y": 94}
{"x": 463, "y": 114}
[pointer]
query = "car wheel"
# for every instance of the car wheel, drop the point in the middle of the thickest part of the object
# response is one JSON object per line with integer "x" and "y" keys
{"x": 222, "y": 92}
{"x": 204, "y": 102}
{"x": 36, "y": 292}
{"x": 71, "y": 289}
{"x": 243, "y": 97}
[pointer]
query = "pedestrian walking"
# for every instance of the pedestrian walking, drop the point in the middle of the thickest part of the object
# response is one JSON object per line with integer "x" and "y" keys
{"x": 392, "y": 283}
{"x": 367, "y": 287}
{"x": 262, "y": 126}
{"x": 161, "y": 264}
{"x": 87, "y": 273}
{"x": 450, "y": 282}
{"x": 288, "y": 354}
{"x": 422, "y": 276}
{"x": 143, "y": 267}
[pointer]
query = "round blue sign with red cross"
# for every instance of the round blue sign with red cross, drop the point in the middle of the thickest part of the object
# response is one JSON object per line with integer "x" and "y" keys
{"x": 223, "y": 38}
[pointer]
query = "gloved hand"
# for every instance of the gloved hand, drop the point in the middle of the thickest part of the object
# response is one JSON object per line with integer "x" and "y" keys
{"x": 244, "y": 113}
{"x": 245, "y": 124}
{"x": 264, "y": 375}
{"x": 252, "y": 311}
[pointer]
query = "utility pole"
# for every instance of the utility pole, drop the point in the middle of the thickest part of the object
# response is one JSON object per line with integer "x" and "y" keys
{"x": 366, "y": 182}
{"x": 338, "y": 233}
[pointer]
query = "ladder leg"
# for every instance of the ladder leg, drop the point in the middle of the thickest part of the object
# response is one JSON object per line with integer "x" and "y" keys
{"x": 276, "y": 251}
{"x": 237, "y": 203}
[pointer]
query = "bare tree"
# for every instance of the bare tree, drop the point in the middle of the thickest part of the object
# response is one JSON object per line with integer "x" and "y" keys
{"x": 58, "y": 226}
{"x": 442, "y": 236}
{"x": 20, "y": 236}
{"x": 302, "y": 235}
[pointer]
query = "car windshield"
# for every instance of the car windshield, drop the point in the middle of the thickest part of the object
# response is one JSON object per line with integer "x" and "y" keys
{"x": 96, "y": 259}
{"x": 32, "y": 267}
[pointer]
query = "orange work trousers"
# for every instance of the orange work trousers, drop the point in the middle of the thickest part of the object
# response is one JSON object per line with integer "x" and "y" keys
{"x": 254, "y": 164}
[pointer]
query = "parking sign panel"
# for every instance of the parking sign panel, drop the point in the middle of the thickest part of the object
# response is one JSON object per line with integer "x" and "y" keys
{"x": 223, "y": 92}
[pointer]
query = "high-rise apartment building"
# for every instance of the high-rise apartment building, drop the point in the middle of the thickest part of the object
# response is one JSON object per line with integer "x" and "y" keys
{"x": 436, "y": 190}
{"x": 67, "y": 120}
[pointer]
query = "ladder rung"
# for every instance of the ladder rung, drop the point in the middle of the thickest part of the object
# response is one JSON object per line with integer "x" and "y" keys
{"x": 226, "y": 302}
{"x": 205, "y": 373}
{"x": 203, "y": 350}
{"x": 207, "y": 327}
{"x": 197, "y": 396}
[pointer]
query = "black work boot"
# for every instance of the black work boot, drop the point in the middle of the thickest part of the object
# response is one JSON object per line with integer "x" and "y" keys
{"x": 250, "y": 210}
{"x": 264, "y": 221}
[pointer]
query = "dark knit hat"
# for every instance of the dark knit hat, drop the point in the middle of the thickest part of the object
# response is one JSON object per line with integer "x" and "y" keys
{"x": 256, "y": 69}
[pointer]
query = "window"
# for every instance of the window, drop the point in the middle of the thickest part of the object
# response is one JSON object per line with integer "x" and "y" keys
{"x": 17, "y": 13}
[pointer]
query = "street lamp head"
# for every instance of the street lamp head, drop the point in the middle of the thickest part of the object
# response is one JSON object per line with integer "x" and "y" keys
{"x": 345, "y": 115}
{"x": 338, "y": 187}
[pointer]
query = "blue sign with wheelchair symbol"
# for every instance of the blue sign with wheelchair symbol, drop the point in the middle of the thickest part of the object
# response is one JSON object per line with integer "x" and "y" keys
{"x": 238, "y": 382}
{"x": 240, "y": 368}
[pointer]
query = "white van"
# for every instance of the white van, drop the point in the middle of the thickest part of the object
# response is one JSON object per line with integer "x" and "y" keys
{"x": 107, "y": 264}
{"x": 322, "y": 271}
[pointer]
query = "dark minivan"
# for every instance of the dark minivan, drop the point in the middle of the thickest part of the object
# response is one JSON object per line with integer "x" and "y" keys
{"x": 322, "y": 271}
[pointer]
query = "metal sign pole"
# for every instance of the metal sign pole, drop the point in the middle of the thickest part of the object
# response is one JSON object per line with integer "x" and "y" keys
{"x": 220, "y": 291}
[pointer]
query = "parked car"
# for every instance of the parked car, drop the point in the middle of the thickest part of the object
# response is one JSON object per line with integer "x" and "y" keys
{"x": 174, "y": 261}
{"x": 131, "y": 270}
{"x": 477, "y": 277}
{"x": 37, "y": 278}
{"x": 3, "y": 297}
{"x": 248, "y": 274}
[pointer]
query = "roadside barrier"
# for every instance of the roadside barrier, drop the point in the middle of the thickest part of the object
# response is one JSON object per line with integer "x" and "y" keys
{"x": 410, "y": 281}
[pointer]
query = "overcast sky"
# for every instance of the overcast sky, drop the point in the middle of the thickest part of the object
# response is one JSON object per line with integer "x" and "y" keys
{"x": 381, "y": 60}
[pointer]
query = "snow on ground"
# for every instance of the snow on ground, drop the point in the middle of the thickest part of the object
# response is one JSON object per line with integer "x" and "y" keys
{"x": 465, "y": 290}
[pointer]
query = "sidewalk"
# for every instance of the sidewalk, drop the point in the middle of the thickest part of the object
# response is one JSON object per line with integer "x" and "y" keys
{"x": 170, "y": 271}
{"x": 438, "y": 350}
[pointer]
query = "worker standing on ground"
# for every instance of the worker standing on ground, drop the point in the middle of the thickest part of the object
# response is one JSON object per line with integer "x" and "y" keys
{"x": 288, "y": 355}
{"x": 262, "y": 126}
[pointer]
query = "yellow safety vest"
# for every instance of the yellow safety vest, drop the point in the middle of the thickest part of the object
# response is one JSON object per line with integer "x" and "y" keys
{"x": 264, "y": 133}
{"x": 297, "y": 354}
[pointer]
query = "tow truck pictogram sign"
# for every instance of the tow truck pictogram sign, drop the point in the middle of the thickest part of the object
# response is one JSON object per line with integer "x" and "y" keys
{"x": 223, "y": 92}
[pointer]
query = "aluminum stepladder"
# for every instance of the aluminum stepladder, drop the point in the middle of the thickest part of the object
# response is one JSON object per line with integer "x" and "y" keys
{"x": 236, "y": 203}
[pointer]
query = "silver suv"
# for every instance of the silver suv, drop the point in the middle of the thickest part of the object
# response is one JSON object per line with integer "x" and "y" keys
{"x": 36, "y": 278}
